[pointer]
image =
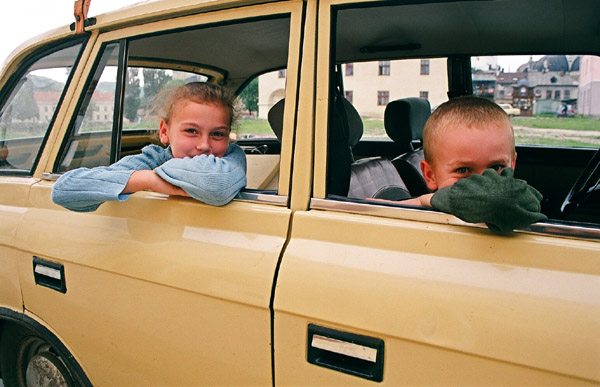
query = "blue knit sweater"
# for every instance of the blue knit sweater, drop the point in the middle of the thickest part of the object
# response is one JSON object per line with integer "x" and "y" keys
{"x": 212, "y": 180}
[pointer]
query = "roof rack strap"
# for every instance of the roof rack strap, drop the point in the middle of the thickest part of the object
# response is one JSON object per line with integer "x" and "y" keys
{"x": 80, "y": 13}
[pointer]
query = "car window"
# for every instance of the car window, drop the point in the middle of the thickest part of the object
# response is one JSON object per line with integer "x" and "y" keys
{"x": 381, "y": 94}
{"x": 105, "y": 130}
{"x": 29, "y": 110}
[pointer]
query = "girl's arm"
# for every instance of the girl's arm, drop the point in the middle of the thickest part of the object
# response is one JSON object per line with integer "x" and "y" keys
{"x": 85, "y": 189}
{"x": 149, "y": 180}
{"x": 212, "y": 180}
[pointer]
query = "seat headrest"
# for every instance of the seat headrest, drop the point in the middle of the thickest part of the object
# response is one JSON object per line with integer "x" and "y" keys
{"x": 275, "y": 118}
{"x": 355, "y": 124}
{"x": 404, "y": 120}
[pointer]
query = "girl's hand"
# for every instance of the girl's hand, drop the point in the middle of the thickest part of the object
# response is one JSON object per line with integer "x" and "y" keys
{"x": 149, "y": 180}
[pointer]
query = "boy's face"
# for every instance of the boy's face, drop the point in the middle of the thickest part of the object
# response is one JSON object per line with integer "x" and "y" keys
{"x": 461, "y": 151}
{"x": 196, "y": 129}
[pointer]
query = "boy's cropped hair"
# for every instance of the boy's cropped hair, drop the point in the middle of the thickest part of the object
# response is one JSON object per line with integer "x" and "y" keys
{"x": 469, "y": 110}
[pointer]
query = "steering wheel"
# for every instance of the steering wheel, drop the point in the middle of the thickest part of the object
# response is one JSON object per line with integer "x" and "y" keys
{"x": 589, "y": 178}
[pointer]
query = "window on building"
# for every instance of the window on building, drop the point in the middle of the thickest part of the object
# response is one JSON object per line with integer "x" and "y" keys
{"x": 424, "y": 94}
{"x": 349, "y": 95}
{"x": 567, "y": 94}
{"x": 384, "y": 67}
{"x": 548, "y": 94}
{"x": 424, "y": 66}
{"x": 383, "y": 97}
{"x": 557, "y": 94}
{"x": 349, "y": 69}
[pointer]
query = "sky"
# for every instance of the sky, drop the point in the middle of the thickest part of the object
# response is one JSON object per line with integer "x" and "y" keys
{"x": 21, "y": 20}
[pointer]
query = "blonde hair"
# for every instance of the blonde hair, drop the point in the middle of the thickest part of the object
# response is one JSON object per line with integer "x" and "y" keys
{"x": 471, "y": 111}
{"x": 199, "y": 92}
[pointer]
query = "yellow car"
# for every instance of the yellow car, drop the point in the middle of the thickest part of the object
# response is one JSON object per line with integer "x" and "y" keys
{"x": 299, "y": 280}
{"x": 511, "y": 111}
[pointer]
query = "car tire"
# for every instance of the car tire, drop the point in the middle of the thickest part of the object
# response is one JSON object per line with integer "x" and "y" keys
{"x": 28, "y": 359}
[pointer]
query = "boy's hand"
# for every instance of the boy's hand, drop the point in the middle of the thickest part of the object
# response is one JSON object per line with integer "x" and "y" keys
{"x": 499, "y": 200}
{"x": 149, "y": 180}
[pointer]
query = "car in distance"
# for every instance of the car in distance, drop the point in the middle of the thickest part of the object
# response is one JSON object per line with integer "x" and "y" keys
{"x": 511, "y": 111}
{"x": 299, "y": 280}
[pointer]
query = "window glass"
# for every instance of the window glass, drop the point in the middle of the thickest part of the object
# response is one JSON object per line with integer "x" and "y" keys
{"x": 90, "y": 142}
{"x": 547, "y": 96}
{"x": 28, "y": 113}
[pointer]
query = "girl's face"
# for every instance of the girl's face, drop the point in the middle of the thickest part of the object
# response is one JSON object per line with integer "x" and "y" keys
{"x": 196, "y": 129}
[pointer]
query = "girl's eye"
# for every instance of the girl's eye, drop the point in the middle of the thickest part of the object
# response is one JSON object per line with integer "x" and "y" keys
{"x": 218, "y": 134}
{"x": 191, "y": 131}
{"x": 462, "y": 170}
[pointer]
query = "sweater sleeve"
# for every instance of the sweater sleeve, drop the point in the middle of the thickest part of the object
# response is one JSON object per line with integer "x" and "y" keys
{"x": 85, "y": 189}
{"x": 209, "y": 179}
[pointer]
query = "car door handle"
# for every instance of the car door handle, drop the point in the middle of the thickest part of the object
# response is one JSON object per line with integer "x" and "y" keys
{"x": 346, "y": 352}
{"x": 49, "y": 274}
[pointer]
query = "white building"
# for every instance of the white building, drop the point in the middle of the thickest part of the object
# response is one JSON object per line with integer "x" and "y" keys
{"x": 371, "y": 85}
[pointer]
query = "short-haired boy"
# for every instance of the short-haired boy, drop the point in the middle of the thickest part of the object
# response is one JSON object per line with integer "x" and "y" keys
{"x": 473, "y": 137}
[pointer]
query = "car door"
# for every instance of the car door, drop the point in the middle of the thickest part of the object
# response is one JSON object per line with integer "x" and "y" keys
{"x": 368, "y": 292}
{"x": 159, "y": 289}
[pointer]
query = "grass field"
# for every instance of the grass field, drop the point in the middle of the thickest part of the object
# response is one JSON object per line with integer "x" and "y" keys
{"x": 552, "y": 131}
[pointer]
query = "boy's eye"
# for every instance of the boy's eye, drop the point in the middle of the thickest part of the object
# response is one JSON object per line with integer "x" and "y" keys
{"x": 497, "y": 167}
{"x": 191, "y": 130}
{"x": 462, "y": 170}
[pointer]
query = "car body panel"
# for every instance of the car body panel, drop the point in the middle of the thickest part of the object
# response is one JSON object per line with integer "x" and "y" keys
{"x": 144, "y": 275}
{"x": 450, "y": 289}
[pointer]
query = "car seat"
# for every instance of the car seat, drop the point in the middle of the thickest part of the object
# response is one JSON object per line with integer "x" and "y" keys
{"x": 404, "y": 120}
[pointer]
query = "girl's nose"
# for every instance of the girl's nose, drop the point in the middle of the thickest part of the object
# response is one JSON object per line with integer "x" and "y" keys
{"x": 202, "y": 145}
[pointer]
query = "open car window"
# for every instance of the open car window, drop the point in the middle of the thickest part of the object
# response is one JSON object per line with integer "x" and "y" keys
{"x": 382, "y": 91}
{"x": 119, "y": 113}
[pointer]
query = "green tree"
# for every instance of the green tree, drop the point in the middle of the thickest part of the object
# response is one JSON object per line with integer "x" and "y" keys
{"x": 249, "y": 96}
{"x": 132, "y": 94}
{"x": 25, "y": 105}
{"x": 154, "y": 80}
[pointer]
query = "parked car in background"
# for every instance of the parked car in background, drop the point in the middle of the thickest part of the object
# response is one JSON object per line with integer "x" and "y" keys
{"x": 299, "y": 280}
{"x": 511, "y": 111}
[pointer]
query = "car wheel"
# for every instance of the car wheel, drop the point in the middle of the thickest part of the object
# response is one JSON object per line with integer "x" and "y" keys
{"x": 26, "y": 359}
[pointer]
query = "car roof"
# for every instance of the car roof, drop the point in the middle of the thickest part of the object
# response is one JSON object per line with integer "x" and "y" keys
{"x": 364, "y": 31}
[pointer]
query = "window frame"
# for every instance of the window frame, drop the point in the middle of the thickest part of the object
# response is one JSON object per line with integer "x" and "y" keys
{"x": 292, "y": 13}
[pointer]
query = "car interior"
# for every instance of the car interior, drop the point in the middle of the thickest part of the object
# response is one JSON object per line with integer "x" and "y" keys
{"x": 234, "y": 53}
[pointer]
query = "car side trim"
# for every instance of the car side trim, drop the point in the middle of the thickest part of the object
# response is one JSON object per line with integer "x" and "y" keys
{"x": 397, "y": 211}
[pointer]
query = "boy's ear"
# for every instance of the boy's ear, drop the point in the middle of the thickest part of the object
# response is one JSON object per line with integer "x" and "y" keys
{"x": 514, "y": 161}
{"x": 163, "y": 132}
{"x": 429, "y": 175}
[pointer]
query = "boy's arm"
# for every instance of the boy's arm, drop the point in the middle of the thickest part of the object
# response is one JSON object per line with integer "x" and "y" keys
{"x": 212, "y": 180}
{"x": 498, "y": 200}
